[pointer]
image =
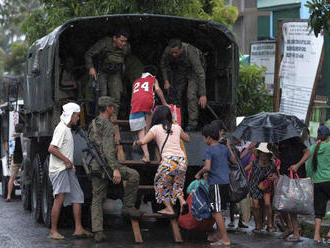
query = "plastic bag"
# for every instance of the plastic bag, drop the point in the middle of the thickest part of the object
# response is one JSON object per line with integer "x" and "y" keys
{"x": 294, "y": 195}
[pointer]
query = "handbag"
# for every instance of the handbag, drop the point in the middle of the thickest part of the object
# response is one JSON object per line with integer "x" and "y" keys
{"x": 294, "y": 195}
{"x": 267, "y": 184}
{"x": 238, "y": 183}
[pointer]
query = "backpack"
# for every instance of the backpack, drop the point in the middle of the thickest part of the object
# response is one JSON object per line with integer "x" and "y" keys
{"x": 188, "y": 222}
{"x": 200, "y": 204}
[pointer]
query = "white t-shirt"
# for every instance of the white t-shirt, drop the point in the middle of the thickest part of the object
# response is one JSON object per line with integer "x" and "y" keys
{"x": 62, "y": 138}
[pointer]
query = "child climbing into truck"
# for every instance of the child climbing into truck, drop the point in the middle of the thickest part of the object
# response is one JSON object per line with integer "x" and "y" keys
{"x": 142, "y": 103}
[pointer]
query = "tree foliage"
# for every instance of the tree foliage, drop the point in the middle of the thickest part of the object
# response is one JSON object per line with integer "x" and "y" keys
{"x": 56, "y": 12}
{"x": 12, "y": 49}
{"x": 320, "y": 16}
{"x": 252, "y": 95}
{"x": 14, "y": 12}
{"x": 15, "y": 60}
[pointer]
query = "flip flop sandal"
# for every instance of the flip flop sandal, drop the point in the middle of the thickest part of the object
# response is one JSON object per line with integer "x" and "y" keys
{"x": 219, "y": 243}
{"x": 56, "y": 236}
{"x": 84, "y": 235}
{"x": 293, "y": 239}
{"x": 256, "y": 230}
{"x": 285, "y": 235}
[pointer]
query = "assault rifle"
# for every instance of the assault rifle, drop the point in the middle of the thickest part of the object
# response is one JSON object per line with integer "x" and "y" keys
{"x": 93, "y": 152}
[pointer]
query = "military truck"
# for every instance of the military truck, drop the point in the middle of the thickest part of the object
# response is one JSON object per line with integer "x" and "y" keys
{"x": 11, "y": 109}
{"x": 45, "y": 93}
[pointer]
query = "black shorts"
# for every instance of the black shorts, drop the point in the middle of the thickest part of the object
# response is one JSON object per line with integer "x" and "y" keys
{"x": 219, "y": 197}
{"x": 321, "y": 198}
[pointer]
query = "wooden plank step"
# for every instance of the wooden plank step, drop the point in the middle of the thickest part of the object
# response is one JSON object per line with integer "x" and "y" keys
{"x": 174, "y": 225}
{"x": 157, "y": 216}
{"x": 120, "y": 122}
{"x": 146, "y": 187}
{"x": 125, "y": 142}
{"x": 137, "y": 162}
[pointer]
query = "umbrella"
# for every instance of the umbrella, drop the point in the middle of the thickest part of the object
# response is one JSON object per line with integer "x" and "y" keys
{"x": 270, "y": 127}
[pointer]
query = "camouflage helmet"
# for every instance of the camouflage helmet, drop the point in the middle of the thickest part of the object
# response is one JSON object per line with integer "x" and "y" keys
{"x": 105, "y": 101}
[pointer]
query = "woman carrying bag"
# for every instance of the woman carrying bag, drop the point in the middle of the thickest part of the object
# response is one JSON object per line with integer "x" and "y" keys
{"x": 293, "y": 155}
{"x": 170, "y": 177}
{"x": 318, "y": 168}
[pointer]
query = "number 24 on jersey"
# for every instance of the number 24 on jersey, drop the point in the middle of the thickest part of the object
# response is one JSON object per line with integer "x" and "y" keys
{"x": 141, "y": 85}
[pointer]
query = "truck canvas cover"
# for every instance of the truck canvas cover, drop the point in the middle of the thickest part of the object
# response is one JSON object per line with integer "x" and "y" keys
{"x": 149, "y": 35}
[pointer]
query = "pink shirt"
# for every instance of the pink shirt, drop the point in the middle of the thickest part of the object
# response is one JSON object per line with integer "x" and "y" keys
{"x": 172, "y": 146}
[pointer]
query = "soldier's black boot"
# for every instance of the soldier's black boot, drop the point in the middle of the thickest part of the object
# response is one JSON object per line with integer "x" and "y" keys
{"x": 99, "y": 237}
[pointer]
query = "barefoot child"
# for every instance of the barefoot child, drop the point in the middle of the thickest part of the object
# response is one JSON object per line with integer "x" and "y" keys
{"x": 217, "y": 157}
{"x": 262, "y": 169}
{"x": 142, "y": 103}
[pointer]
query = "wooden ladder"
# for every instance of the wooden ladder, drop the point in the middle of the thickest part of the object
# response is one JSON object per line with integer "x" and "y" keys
{"x": 174, "y": 224}
{"x": 136, "y": 222}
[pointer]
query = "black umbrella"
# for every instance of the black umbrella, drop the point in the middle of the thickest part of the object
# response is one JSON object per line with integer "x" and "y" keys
{"x": 270, "y": 127}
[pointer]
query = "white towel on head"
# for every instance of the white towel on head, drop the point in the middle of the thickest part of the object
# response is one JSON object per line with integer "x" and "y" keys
{"x": 68, "y": 110}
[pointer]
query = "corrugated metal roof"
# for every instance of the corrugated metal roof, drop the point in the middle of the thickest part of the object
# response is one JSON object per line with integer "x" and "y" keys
{"x": 275, "y": 3}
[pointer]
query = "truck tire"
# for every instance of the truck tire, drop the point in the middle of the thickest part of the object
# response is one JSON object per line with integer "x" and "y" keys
{"x": 4, "y": 184}
{"x": 36, "y": 189}
{"x": 26, "y": 196}
{"x": 26, "y": 185}
{"x": 0, "y": 170}
{"x": 47, "y": 195}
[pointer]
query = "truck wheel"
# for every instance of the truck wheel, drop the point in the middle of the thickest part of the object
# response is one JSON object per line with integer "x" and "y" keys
{"x": 0, "y": 170}
{"x": 26, "y": 185}
{"x": 26, "y": 196}
{"x": 4, "y": 184}
{"x": 47, "y": 196}
{"x": 36, "y": 189}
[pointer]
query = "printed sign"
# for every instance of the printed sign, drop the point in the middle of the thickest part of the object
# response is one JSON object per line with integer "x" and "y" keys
{"x": 262, "y": 53}
{"x": 302, "y": 52}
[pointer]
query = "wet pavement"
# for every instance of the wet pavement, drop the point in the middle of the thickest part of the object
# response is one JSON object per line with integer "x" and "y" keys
{"x": 18, "y": 229}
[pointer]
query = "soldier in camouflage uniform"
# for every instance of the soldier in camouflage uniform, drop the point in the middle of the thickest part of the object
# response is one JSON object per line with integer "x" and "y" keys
{"x": 101, "y": 131}
{"x": 184, "y": 63}
{"x": 112, "y": 51}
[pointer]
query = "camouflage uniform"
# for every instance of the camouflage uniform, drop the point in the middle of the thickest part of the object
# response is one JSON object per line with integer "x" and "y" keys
{"x": 103, "y": 138}
{"x": 188, "y": 75}
{"x": 110, "y": 68}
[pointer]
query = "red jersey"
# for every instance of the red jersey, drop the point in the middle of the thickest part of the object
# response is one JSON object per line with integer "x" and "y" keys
{"x": 143, "y": 94}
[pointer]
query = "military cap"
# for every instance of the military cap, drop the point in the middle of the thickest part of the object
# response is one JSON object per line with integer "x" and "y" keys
{"x": 105, "y": 101}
